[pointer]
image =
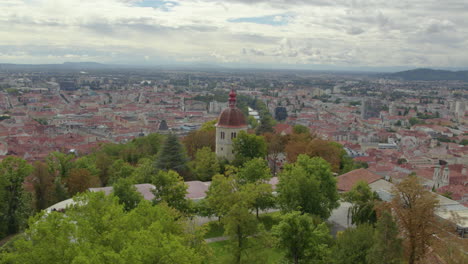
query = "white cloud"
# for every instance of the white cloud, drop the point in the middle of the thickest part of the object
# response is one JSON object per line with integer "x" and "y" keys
{"x": 342, "y": 33}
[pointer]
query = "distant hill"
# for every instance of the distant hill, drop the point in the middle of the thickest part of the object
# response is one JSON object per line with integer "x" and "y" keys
{"x": 63, "y": 66}
{"x": 84, "y": 64}
{"x": 430, "y": 75}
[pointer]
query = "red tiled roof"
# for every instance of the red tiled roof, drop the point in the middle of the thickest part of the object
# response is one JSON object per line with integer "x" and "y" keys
{"x": 348, "y": 180}
{"x": 279, "y": 128}
{"x": 231, "y": 117}
{"x": 427, "y": 173}
{"x": 458, "y": 191}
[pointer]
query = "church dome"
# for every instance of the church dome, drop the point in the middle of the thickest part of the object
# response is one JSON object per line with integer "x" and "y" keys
{"x": 232, "y": 116}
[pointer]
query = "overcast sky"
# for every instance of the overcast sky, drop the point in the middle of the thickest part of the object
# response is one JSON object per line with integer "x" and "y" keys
{"x": 274, "y": 33}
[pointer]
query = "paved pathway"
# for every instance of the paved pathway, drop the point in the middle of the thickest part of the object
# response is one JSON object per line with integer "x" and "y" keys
{"x": 216, "y": 239}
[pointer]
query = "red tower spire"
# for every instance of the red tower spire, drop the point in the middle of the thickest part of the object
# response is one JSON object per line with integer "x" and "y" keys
{"x": 232, "y": 99}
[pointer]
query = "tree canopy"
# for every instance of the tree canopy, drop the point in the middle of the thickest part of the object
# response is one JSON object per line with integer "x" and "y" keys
{"x": 303, "y": 240}
{"x": 15, "y": 204}
{"x": 387, "y": 246}
{"x": 308, "y": 186}
{"x": 414, "y": 207}
{"x": 353, "y": 245}
{"x": 127, "y": 193}
{"x": 99, "y": 230}
{"x": 172, "y": 156}
{"x": 248, "y": 146}
{"x": 205, "y": 165}
{"x": 363, "y": 202}
{"x": 253, "y": 171}
{"x": 171, "y": 189}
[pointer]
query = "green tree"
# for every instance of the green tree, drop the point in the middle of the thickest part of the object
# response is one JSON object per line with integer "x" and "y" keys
{"x": 43, "y": 183}
{"x": 79, "y": 180}
{"x": 303, "y": 240}
{"x": 308, "y": 186}
{"x": 266, "y": 125}
{"x": 254, "y": 170}
{"x": 276, "y": 145}
{"x": 261, "y": 196}
{"x": 219, "y": 196}
{"x": 171, "y": 189}
{"x": 98, "y": 230}
{"x": 253, "y": 123}
{"x": 239, "y": 224}
{"x": 172, "y": 156}
{"x": 363, "y": 201}
{"x": 353, "y": 245}
{"x": 130, "y": 153}
{"x": 198, "y": 139}
{"x": 414, "y": 208}
{"x": 300, "y": 129}
{"x": 209, "y": 126}
{"x": 14, "y": 200}
{"x": 205, "y": 165}
{"x": 248, "y": 146}
{"x": 148, "y": 145}
{"x": 330, "y": 151}
{"x": 234, "y": 203}
{"x": 401, "y": 161}
{"x": 464, "y": 142}
{"x": 415, "y": 121}
{"x": 387, "y": 248}
{"x": 144, "y": 172}
{"x": 120, "y": 169}
{"x": 59, "y": 165}
{"x": 87, "y": 162}
{"x": 253, "y": 178}
{"x": 127, "y": 193}
{"x": 103, "y": 163}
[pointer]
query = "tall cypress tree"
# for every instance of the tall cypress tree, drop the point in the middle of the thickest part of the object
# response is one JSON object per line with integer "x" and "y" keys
{"x": 14, "y": 200}
{"x": 172, "y": 156}
{"x": 388, "y": 246}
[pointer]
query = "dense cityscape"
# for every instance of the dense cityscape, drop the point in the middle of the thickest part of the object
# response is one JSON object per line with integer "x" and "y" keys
{"x": 395, "y": 126}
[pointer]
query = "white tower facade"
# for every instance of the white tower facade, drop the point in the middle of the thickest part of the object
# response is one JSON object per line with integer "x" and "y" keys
{"x": 231, "y": 121}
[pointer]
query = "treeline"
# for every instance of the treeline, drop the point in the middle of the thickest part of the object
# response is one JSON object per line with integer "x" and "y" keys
{"x": 125, "y": 228}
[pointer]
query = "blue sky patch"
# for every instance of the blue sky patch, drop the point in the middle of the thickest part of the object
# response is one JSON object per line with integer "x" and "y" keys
{"x": 159, "y": 4}
{"x": 273, "y": 20}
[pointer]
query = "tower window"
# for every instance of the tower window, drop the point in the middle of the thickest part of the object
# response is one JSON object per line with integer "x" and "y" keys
{"x": 222, "y": 135}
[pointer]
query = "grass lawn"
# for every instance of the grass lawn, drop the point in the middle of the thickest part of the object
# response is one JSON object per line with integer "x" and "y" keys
{"x": 214, "y": 229}
{"x": 221, "y": 254}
